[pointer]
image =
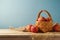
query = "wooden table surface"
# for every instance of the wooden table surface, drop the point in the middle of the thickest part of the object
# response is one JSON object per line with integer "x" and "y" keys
{"x": 12, "y": 32}
{"x": 7, "y": 33}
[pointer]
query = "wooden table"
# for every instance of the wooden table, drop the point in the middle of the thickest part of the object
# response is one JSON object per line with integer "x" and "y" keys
{"x": 8, "y": 34}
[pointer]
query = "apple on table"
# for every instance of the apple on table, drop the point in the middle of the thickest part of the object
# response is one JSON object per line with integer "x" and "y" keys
{"x": 32, "y": 28}
{"x": 56, "y": 27}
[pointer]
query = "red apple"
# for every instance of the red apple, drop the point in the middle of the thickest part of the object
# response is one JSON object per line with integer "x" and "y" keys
{"x": 34, "y": 29}
{"x": 56, "y": 27}
{"x": 48, "y": 19}
{"x": 41, "y": 19}
{"x": 28, "y": 28}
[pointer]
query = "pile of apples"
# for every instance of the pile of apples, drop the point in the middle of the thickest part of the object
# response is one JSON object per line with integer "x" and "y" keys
{"x": 35, "y": 29}
{"x": 43, "y": 19}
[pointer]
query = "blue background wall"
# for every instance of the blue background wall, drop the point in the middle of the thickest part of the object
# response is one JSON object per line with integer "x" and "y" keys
{"x": 22, "y": 12}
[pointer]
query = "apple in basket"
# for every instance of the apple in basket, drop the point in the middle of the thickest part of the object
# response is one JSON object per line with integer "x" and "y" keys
{"x": 56, "y": 27}
{"x": 34, "y": 29}
{"x": 48, "y": 19}
{"x": 41, "y": 19}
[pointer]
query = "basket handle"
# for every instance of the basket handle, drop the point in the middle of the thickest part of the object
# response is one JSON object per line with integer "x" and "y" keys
{"x": 45, "y": 12}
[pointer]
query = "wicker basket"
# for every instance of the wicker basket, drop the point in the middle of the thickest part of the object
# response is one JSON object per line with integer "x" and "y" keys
{"x": 44, "y": 26}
